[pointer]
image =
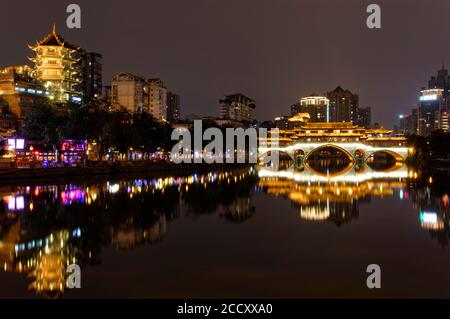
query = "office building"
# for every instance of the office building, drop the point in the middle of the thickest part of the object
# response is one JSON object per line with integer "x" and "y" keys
{"x": 237, "y": 107}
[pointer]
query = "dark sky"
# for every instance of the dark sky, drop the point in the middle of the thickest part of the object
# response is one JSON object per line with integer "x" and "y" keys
{"x": 275, "y": 51}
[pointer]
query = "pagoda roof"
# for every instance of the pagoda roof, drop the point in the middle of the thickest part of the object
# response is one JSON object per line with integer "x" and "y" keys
{"x": 53, "y": 39}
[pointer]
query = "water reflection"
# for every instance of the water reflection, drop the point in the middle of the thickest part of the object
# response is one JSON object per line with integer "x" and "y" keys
{"x": 321, "y": 194}
{"x": 44, "y": 228}
{"x": 332, "y": 196}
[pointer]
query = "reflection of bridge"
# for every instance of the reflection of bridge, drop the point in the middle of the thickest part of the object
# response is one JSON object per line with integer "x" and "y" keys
{"x": 353, "y": 174}
{"x": 356, "y": 142}
{"x": 332, "y": 197}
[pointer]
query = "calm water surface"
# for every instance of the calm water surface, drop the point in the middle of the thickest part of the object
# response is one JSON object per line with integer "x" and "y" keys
{"x": 300, "y": 232}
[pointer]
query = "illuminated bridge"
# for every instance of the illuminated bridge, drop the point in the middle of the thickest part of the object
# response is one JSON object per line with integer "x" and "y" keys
{"x": 357, "y": 143}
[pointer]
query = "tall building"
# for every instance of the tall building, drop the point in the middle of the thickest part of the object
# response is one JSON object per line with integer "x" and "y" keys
{"x": 343, "y": 105}
{"x": 441, "y": 81}
{"x": 157, "y": 95}
{"x": 431, "y": 107}
{"x": 173, "y": 107}
{"x": 407, "y": 123}
{"x": 237, "y": 107}
{"x": 129, "y": 91}
{"x": 20, "y": 90}
{"x": 364, "y": 117}
{"x": 296, "y": 108}
{"x": 91, "y": 72}
{"x": 318, "y": 107}
{"x": 56, "y": 66}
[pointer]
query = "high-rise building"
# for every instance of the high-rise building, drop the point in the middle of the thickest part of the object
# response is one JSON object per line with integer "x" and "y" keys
{"x": 157, "y": 95}
{"x": 431, "y": 105}
{"x": 295, "y": 108}
{"x": 56, "y": 66}
{"x": 173, "y": 107}
{"x": 407, "y": 123}
{"x": 318, "y": 107}
{"x": 237, "y": 107}
{"x": 20, "y": 90}
{"x": 343, "y": 105}
{"x": 91, "y": 72}
{"x": 441, "y": 81}
{"x": 363, "y": 117}
{"x": 129, "y": 91}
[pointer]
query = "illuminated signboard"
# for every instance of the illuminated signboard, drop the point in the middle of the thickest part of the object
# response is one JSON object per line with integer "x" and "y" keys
{"x": 432, "y": 97}
{"x": 16, "y": 144}
{"x": 429, "y": 218}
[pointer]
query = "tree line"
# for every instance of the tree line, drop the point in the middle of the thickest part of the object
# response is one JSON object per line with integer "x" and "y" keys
{"x": 119, "y": 129}
{"x": 436, "y": 145}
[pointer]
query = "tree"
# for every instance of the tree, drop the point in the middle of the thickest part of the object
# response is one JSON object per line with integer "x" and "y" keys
{"x": 440, "y": 143}
{"x": 42, "y": 123}
{"x": 4, "y": 106}
{"x": 2, "y": 147}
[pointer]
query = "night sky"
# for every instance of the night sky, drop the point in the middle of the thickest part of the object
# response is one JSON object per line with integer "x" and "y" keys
{"x": 274, "y": 51}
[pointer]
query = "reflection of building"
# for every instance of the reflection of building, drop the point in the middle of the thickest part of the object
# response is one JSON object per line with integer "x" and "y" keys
{"x": 237, "y": 107}
{"x": 240, "y": 210}
{"x": 128, "y": 236}
{"x": 57, "y": 68}
{"x": 331, "y": 201}
{"x": 434, "y": 211}
{"x": 45, "y": 260}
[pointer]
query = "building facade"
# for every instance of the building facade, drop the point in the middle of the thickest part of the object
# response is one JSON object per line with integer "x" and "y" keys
{"x": 237, "y": 107}
{"x": 407, "y": 123}
{"x": 441, "y": 81}
{"x": 432, "y": 106}
{"x": 343, "y": 105}
{"x": 56, "y": 66}
{"x": 20, "y": 89}
{"x": 296, "y": 108}
{"x": 318, "y": 107}
{"x": 157, "y": 99}
{"x": 364, "y": 117}
{"x": 91, "y": 73}
{"x": 173, "y": 107}
{"x": 129, "y": 91}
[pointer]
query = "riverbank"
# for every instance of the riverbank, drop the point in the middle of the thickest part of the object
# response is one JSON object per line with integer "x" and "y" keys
{"x": 108, "y": 169}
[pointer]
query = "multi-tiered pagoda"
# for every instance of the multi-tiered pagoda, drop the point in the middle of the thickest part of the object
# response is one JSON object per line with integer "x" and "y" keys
{"x": 57, "y": 67}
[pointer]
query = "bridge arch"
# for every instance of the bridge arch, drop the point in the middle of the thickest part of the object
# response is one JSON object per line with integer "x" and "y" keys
{"x": 395, "y": 155}
{"x": 333, "y": 146}
{"x": 330, "y": 174}
{"x": 285, "y": 159}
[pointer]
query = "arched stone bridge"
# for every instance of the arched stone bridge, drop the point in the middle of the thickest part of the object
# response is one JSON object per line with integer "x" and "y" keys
{"x": 355, "y": 151}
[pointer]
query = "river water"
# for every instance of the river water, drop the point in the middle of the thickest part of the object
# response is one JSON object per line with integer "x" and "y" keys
{"x": 246, "y": 232}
